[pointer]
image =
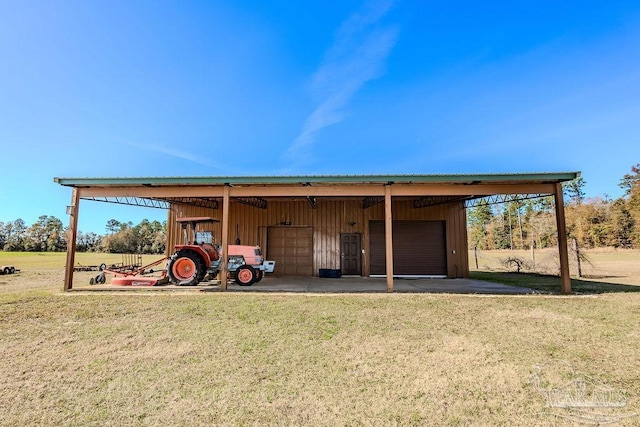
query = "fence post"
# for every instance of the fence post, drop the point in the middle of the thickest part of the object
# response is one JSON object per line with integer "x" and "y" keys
{"x": 576, "y": 248}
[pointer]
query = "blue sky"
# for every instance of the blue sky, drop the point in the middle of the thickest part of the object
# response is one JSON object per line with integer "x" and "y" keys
{"x": 191, "y": 88}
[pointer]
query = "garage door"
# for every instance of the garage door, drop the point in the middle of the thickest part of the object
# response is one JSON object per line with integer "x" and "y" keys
{"x": 419, "y": 248}
{"x": 292, "y": 250}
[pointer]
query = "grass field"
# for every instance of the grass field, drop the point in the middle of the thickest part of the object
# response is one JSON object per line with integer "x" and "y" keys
{"x": 177, "y": 358}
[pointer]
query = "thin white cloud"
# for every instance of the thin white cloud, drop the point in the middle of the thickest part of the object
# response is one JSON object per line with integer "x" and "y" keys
{"x": 176, "y": 153}
{"x": 357, "y": 55}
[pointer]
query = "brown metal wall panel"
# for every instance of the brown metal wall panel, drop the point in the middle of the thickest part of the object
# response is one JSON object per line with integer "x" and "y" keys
{"x": 174, "y": 231}
{"x": 419, "y": 247}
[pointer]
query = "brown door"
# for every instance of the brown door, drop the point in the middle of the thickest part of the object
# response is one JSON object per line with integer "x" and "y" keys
{"x": 292, "y": 250}
{"x": 419, "y": 248}
{"x": 350, "y": 253}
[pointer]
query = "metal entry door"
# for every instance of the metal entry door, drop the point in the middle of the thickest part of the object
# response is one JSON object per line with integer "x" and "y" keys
{"x": 350, "y": 253}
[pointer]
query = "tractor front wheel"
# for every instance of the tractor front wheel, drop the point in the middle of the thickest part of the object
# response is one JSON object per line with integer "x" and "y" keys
{"x": 259, "y": 275}
{"x": 245, "y": 275}
{"x": 185, "y": 268}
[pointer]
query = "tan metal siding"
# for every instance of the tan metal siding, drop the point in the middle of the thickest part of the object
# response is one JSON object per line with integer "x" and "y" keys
{"x": 329, "y": 219}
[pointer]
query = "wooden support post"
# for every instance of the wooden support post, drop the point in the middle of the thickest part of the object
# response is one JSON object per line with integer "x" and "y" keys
{"x": 71, "y": 239}
{"x": 388, "y": 236}
{"x": 224, "y": 265}
{"x": 565, "y": 279}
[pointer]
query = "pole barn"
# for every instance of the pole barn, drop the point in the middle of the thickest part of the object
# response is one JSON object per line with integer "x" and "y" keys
{"x": 362, "y": 225}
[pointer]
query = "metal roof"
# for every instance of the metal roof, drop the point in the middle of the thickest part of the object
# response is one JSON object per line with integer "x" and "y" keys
{"x": 545, "y": 177}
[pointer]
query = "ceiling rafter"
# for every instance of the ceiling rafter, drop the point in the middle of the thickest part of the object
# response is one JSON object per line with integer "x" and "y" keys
{"x": 312, "y": 201}
{"x": 427, "y": 201}
{"x": 203, "y": 202}
{"x": 256, "y": 202}
{"x": 132, "y": 201}
{"x": 159, "y": 203}
{"x": 369, "y": 201}
{"x": 502, "y": 198}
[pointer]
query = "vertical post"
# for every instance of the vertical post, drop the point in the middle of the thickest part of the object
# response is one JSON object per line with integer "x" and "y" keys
{"x": 475, "y": 253}
{"x": 388, "y": 236}
{"x": 565, "y": 279}
{"x": 366, "y": 269}
{"x": 224, "y": 266}
{"x": 576, "y": 248}
{"x": 533, "y": 251}
{"x": 72, "y": 233}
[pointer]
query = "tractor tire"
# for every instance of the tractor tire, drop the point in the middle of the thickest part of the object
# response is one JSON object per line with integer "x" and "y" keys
{"x": 101, "y": 279}
{"x": 186, "y": 268}
{"x": 6, "y": 270}
{"x": 12, "y": 270}
{"x": 202, "y": 274}
{"x": 245, "y": 275}
{"x": 259, "y": 275}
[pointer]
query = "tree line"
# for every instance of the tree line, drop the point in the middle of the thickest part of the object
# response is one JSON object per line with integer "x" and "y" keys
{"x": 591, "y": 222}
{"x": 517, "y": 224}
{"x": 48, "y": 234}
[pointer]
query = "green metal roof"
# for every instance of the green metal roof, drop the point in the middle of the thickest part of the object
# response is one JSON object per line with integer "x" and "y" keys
{"x": 546, "y": 177}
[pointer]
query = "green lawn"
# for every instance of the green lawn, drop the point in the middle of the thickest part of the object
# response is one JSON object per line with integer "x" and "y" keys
{"x": 176, "y": 358}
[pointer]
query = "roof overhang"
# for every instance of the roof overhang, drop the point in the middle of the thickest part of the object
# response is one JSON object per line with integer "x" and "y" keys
{"x": 308, "y": 180}
{"x": 426, "y": 190}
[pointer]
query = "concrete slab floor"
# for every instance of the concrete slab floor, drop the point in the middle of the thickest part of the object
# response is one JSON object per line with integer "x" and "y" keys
{"x": 345, "y": 284}
{"x": 377, "y": 285}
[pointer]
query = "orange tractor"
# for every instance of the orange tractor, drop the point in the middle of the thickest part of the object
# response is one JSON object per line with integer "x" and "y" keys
{"x": 200, "y": 256}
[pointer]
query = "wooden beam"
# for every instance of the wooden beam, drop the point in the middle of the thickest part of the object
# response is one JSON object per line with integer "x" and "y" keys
{"x": 224, "y": 266}
{"x": 365, "y": 190}
{"x": 388, "y": 237}
{"x": 417, "y": 190}
{"x": 154, "y": 192}
{"x": 565, "y": 278}
{"x": 72, "y": 233}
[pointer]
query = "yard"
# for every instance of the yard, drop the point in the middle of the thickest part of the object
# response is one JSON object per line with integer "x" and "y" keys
{"x": 185, "y": 358}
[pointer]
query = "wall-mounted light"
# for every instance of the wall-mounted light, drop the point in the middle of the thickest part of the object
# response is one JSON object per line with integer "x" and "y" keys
{"x": 352, "y": 223}
{"x": 70, "y": 210}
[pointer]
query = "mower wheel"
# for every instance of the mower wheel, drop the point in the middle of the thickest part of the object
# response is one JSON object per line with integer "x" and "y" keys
{"x": 185, "y": 268}
{"x": 6, "y": 270}
{"x": 92, "y": 281}
{"x": 12, "y": 270}
{"x": 245, "y": 275}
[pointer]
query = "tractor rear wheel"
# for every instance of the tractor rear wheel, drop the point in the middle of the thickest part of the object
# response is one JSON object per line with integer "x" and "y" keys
{"x": 245, "y": 275}
{"x": 185, "y": 268}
